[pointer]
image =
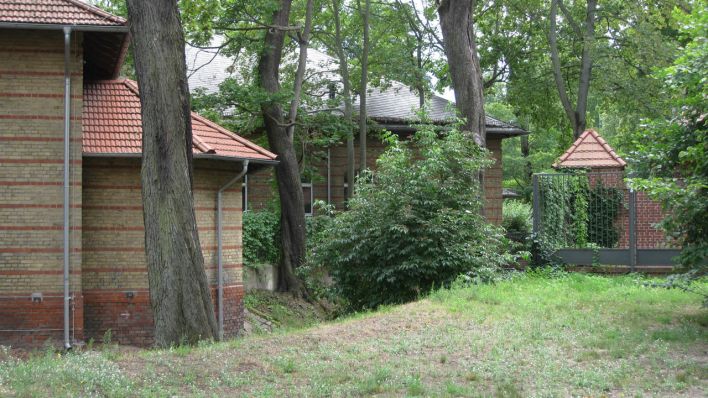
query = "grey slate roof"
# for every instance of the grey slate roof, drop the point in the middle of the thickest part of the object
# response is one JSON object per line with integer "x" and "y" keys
{"x": 398, "y": 104}
{"x": 394, "y": 107}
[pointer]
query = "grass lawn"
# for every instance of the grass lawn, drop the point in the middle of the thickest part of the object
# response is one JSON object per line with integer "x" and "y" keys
{"x": 573, "y": 335}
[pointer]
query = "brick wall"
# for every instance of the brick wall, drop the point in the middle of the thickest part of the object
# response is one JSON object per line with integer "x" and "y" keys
{"x": 649, "y": 212}
{"x": 31, "y": 178}
{"x": 262, "y": 190}
{"x": 114, "y": 276}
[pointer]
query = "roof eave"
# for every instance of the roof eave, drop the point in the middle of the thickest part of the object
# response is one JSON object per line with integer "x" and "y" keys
{"x": 80, "y": 28}
{"x": 271, "y": 162}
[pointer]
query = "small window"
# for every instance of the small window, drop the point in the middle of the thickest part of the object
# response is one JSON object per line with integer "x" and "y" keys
{"x": 307, "y": 196}
{"x": 244, "y": 193}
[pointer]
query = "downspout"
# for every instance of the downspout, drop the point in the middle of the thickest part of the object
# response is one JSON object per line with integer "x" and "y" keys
{"x": 67, "y": 154}
{"x": 220, "y": 265}
{"x": 329, "y": 177}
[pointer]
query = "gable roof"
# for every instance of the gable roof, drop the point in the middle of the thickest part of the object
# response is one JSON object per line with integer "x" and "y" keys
{"x": 112, "y": 125}
{"x": 591, "y": 151}
{"x": 62, "y": 12}
{"x": 394, "y": 106}
{"x": 398, "y": 104}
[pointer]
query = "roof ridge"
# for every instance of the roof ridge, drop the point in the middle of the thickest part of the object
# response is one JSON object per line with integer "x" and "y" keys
{"x": 98, "y": 11}
{"x": 584, "y": 138}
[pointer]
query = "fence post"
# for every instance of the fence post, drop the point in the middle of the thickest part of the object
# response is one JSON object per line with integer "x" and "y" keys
{"x": 536, "y": 206}
{"x": 632, "y": 230}
{"x": 536, "y": 215}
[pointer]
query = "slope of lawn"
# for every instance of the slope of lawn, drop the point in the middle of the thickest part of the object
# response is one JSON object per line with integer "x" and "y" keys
{"x": 569, "y": 335}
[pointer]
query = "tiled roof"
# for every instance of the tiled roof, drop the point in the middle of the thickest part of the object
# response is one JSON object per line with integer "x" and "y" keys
{"x": 396, "y": 104}
{"x": 61, "y": 12}
{"x": 112, "y": 125}
{"x": 591, "y": 151}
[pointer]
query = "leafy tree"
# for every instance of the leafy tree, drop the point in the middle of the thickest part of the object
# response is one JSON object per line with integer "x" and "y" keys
{"x": 413, "y": 225}
{"x": 179, "y": 291}
{"x": 463, "y": 63}
{"x": 670, "y": 156}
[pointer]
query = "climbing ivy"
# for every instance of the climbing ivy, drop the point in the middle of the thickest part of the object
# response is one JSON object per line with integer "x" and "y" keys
{"x": 576, "y": 213}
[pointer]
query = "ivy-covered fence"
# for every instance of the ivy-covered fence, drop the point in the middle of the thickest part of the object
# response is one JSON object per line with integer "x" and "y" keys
{"x": 581, "y": 210}
{"x": 588, "y": 218}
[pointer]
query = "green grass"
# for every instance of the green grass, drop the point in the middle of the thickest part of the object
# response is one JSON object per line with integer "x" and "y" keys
{"x": 534, "y": 335}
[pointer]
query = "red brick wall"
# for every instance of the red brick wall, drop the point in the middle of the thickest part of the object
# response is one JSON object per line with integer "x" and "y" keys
{"x": 31, "y": 179}
{"x": 262, "y": 189}
{"x": 114, "y": 265}
{"x": 649, "y": 212}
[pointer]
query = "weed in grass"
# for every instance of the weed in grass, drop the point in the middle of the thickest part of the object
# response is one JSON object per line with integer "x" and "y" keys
{"x": 415, "y": 386}
{"x": 376, "y": 383}
{"x": 507, "y": 389}
{"x": 286, "y": 365}
{"x": 181, "y": 350}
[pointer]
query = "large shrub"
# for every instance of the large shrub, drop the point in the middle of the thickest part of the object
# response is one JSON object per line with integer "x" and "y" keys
{"x": 414, "y": 224}
{"x": 260, "y": 237}
{"x": 517, "y": 220}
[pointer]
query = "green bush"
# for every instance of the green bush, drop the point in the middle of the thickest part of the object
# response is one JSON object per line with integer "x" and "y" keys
{"x": 260, "y": 238}
{"x": 413, "y": 225}
{"x": 517, "y": 220}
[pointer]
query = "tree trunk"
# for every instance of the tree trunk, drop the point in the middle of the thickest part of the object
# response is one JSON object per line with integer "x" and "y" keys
{"x": 347, "y": 94}
{"x": 179, "y": 291}
{"x": 466, "y": 74}
{"x": 292, "y": 212}
{"x": 576, "y": 114}
{"x": 363, "y": 129}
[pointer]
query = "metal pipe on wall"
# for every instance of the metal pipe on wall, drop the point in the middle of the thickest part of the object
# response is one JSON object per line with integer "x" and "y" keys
{"x": 67, "y": 163}
{"x": 220, "y": 266}
{"x": 329, "y": 177}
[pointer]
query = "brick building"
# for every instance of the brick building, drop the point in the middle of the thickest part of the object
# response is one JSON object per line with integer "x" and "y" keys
{"x": 393, "y": 108}
{"x": 590, "y": 151}
{"x": 61, "y": 104}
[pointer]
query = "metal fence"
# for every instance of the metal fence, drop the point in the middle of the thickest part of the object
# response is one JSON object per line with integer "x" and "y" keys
{"x": 591, "y": 218}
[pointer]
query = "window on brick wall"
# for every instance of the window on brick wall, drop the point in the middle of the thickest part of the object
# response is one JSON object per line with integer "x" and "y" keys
{"x": 308, "y": 197}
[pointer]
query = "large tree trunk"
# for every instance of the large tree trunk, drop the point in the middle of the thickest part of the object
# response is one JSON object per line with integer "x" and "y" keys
{"x": 576, "y": 114}
{"x": 287, "y": 174}
{"x": 363, "y": 129}
{"x": 461, "y": 51}
{"x": 179, "y": 291}
{"x": 346, "y": 93}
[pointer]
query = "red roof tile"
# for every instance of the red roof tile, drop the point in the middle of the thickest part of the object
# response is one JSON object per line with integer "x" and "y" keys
{"x": 112, "y": 125}
{"x": 63, "y": 12}
{"x": 590, "y": 151}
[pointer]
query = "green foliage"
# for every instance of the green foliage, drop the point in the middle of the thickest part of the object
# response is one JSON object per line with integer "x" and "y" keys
{"x": 413, "y": 225}
{"x": 564, "y": 202}
{"x": 260, "y": 238}
{"x": 670, "y": 157}
{"x": 517, "y": 220}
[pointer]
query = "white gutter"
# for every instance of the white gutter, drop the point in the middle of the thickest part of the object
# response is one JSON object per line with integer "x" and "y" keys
{"x": 67, "y": 162}
{"x": 220, "y": 266}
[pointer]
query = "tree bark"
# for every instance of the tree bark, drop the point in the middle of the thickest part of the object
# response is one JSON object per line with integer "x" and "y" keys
{"x": 346, "y": 93}
{"x": 363, "y": 129}
{"x": 304, "y": 42}
{"x": 576, "y": 114}
{"x": 179, "y": 292}
{"x": 292, "y": 212}
{"x": 461, "y": 51}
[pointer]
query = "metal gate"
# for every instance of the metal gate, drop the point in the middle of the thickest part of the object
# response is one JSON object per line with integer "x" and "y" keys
{"x": 588, "y": 218}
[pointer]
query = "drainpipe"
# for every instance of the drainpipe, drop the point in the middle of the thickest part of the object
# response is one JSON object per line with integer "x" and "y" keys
{"x": 329, "y": 177}
{"x": 67, "y": 154}
{"x": 220, "y": 265}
